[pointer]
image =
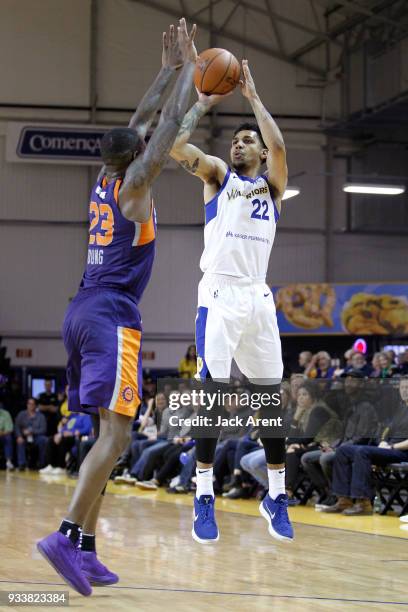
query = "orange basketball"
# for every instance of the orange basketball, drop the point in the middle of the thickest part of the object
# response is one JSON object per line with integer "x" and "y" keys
{"x": 217, "y": 72}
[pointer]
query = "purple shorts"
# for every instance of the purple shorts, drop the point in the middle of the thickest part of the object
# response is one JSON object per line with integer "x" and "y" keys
{"x": 102, "y": 335}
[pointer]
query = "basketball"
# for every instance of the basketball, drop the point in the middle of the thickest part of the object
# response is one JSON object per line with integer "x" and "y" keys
{"x": 217, "y": 72}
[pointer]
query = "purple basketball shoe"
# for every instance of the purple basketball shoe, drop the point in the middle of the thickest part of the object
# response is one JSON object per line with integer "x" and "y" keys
{"x": 65, "y": 558}
{"x": 96, "y": 572}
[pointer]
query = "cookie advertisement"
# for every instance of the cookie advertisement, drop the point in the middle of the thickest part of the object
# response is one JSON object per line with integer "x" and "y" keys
{"x": 322, "y": 308}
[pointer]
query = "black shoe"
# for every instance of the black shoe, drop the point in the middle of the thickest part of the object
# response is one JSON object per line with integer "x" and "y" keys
{"x": 21, "y": 468}
{"x": 327, "y": 502}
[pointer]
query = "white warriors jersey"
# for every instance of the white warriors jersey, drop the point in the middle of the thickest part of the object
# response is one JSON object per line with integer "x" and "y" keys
{"x": 240, "y": 226}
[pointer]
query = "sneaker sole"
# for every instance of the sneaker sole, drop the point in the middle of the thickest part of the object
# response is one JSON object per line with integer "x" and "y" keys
{"x": 201, "y": 541}
{"x": 41, "y": 549}
{"x": 145, "y": 487}
{"x": 271, "y": 530}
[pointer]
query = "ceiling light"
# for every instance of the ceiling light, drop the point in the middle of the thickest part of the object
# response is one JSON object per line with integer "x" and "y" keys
{"x": 373, "y": 189}
{"x": 290, "y": 192}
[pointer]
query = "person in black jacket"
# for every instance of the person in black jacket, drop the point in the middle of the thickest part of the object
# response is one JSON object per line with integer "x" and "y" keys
{"x": 359, "y": 424}
{"x": 353, "y": 463}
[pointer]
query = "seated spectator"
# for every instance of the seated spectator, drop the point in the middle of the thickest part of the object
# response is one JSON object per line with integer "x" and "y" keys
{"x": 359, "y": 420}
{"x": 61, "y": 443}
{"x": 6, "y": 436}
{"x": 188, "y": 365}
{"x": 319, "y": 366}
{"x": 358, "y": 362}
{"x": 304, "y": 359}
{"x": 315, "y": 426}
{"x": 352, "y": 470}
{"x": 48, "y": 405}
{"x": 403, "y": 363}
{"x": 385, "y": 369}
{"x": 30, "y": 428}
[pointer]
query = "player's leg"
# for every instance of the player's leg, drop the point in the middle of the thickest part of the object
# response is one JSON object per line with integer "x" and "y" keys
{"x": 96, "y": 572}
{"x": 217, "y": 335}
{"x": 259, "y": 357}
{"x": 61, "y": 548}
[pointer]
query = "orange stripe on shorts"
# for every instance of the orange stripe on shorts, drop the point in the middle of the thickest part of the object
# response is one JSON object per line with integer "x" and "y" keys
{"x": 128, "y": 398}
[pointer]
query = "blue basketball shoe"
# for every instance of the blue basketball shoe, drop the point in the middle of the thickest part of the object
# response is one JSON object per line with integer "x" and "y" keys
{"x": 204, "y": 526}
{"x": 276, "y": 513}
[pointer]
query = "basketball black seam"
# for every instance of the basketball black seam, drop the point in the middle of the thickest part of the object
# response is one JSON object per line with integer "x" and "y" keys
{"x": 222, "y": 78}
{"x": 226, "y": 72}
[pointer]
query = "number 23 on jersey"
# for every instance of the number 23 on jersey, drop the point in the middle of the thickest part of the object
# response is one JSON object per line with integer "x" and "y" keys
{"x": 102, "y": 222}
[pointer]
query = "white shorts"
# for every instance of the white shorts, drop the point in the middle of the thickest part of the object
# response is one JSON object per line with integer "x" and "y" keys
{"x": 236, "y": 319}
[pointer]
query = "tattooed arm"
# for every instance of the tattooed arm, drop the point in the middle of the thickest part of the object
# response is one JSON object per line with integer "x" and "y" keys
{"x": 276, "y": 160}
{"x": 151, "y": 101}
{"x": 207, "y": 167}
{"x": 134, "y": 194}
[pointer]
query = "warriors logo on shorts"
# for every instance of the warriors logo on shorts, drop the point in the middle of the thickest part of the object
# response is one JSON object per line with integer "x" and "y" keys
{"x": 127, "y": 394}
{"x": 200, "y": 364}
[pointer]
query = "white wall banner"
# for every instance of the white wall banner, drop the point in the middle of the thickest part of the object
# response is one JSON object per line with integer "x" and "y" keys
{"x": 54, "y": 143}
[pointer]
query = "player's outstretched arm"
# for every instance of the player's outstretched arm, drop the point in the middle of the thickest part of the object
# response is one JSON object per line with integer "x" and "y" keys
{"x": 153, "y": 98}
{"x": 207, "y": 167}
{"x": 276, "y": 160}
{"x": 145, "y": 168}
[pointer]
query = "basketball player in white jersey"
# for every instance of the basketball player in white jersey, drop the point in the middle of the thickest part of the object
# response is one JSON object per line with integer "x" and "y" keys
{"x": 236, "y": 313}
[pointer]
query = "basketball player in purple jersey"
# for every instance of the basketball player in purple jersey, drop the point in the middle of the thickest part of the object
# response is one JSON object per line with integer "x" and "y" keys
{"x": 102, "y": 327}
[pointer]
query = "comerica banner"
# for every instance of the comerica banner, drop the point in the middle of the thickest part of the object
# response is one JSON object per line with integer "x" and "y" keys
{"x": 53, "y": 143}
{"x": 357, "y": 309}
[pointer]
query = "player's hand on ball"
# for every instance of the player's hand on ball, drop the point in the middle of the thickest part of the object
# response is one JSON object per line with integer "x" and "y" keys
{"x": 211, "y": 99}
{"x": 171, "y": 55}
{"x": 247, "y": 83}
{"x": 186, "y": 41}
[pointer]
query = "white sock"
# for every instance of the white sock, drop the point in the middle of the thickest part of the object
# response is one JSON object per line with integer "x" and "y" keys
{"x": 276, "y": 482}
{"x": 204, "y": 482}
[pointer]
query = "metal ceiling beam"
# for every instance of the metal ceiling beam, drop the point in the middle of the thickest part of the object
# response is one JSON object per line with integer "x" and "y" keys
{"x": 172, "y": 12}
{"x": 274, "y": 27}
{"x": 357, "y": 8}
{"x": 285, "y": 20}
{"x": 340, "y": 28}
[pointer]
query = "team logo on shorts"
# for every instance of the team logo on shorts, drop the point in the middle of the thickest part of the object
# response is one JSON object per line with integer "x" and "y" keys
{"x": 200, "y": 364}
{"x": 128, "y": 394}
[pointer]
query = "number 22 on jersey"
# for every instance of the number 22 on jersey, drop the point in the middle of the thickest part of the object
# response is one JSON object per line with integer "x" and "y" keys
{"x": 101, "y": 228}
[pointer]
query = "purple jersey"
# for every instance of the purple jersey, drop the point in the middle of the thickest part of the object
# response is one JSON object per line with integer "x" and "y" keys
{"x": 120, "y": 252}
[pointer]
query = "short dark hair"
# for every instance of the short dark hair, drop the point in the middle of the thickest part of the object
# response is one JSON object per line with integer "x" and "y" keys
{"x": 253, "y": 127}
{"x": 119, "y": 143}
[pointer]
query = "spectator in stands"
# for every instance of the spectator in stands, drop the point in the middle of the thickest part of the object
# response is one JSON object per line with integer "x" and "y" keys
{"x": 403, "y": 363}
{"x": 188, "y": 365}
{"x": 296, "y": 380}
{"x": 353, "y": 463}
{"x": 6, "y": 436}
{"x": 358, "y": 428}
{"x": 315, "y": 426}
{"x": 358, "y": 362}
{"x": 319, "y": 366}
{"x": 375, "y": 364}
{"x": 61, "y": 443}
{"x": 149, "y": 388}
{"x": 30, "y": 428}
{"x": 304, "y": 359}
{"x": 63, "y": 401}
{"x": 48, "y": 404}
{"x": 386, "y": 369}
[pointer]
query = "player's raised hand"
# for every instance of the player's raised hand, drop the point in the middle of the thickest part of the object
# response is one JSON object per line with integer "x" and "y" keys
{"x": 212, "y": 99}
{"x": 186, "y": 41}
{"x": 247, "y": 84}
{"x": 171, "y": 55}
